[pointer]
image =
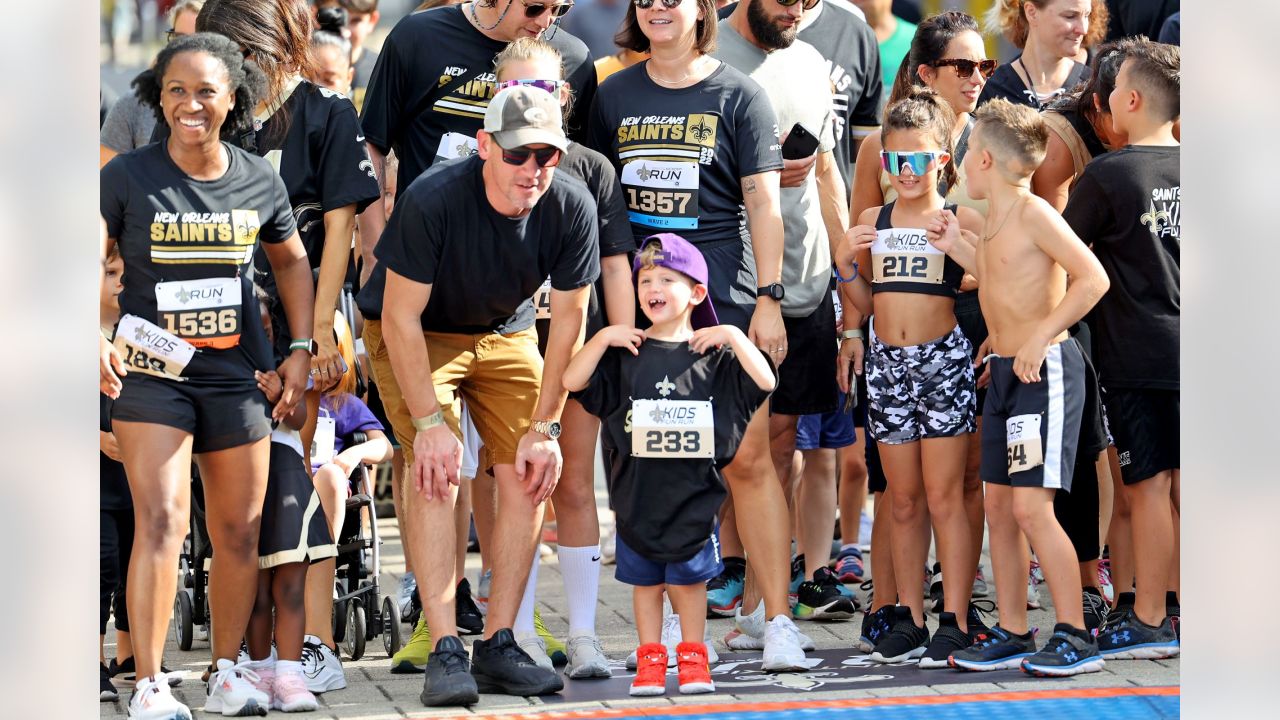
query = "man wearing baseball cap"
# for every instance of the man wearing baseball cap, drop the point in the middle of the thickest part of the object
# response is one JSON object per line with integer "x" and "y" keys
{"x": 468, "y": 244}
{"x": 675, "y": 400}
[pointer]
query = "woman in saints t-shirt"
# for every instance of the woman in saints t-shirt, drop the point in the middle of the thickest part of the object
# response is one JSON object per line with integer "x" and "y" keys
{"x": 187, "y": 215}
{"x": 1051, "y": 35}
{"x": 696, "y": 143}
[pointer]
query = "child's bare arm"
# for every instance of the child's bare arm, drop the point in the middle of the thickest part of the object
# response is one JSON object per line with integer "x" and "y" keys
{"x": 954, "y": 235}
{"x": 578, "y": 373}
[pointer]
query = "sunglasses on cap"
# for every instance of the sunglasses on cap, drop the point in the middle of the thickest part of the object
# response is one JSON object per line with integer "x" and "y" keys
{"x": 534, "y": 10}
{"x": 646, "y": 4}
{"x": 895, "y": 163}
{"x": 965, "y": 68}
{"x": 545, "y": 157}
{"x": 551, "y": 86}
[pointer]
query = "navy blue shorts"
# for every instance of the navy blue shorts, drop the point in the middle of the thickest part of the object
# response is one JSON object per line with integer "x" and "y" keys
{"x": 635, "y": 569}
{"x": 828, "y": 431}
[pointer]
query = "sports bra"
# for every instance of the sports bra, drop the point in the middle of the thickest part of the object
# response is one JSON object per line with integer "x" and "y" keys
{"x": 903, "y": 260}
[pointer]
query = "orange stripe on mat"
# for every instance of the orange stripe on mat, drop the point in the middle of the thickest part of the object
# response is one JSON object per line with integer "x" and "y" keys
{"x": 737, "y": 707}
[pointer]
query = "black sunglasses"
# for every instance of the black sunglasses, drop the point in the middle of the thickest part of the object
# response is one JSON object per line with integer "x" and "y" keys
{"x": 965, "y": 68}
{"x": 546, "y": 157}
{"x": 808, "y": 4}
{"x": 533, "y": 10}
{"x": 646, "y": 4}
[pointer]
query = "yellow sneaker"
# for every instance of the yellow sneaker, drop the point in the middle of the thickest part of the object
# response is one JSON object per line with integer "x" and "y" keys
{"x": 412, "y": 658}
{"x": 555, "y": 648}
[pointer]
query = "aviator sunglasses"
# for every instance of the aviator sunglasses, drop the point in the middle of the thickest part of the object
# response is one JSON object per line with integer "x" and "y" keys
{"x": 895, "y": 163}
{"x": 546, "y": 157}
{"x": 534, "y": 10}
{"x": 965, "y": 68}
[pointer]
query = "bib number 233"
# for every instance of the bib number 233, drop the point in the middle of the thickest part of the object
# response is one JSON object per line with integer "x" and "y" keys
{"x": 672, "y": 429}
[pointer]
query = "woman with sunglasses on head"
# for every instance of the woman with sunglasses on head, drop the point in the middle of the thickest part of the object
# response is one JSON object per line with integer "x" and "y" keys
{"x": 695, "y": 142}
{"x": 187, "y": 214}
{"x": 947, "y": 56}
{"x": 1052, "y": 36}
{"x": 311, "y": 135}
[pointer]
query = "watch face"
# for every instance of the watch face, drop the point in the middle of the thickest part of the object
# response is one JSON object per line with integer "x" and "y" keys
{"x": 553, "y": 430}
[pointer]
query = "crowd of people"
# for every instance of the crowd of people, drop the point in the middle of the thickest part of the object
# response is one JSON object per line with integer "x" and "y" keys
{"x": 767, "y": 257}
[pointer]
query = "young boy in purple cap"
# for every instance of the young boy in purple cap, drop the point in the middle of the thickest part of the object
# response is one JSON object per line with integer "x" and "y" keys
{"x": 676, "y": 399}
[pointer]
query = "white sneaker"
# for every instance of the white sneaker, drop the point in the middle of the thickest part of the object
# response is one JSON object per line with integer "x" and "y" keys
{"x": 482, "y": 591}
{"x": 749, "y": 632}
{"x": 782, "y": 648}
{"x": 671, "y": 636}
{"x": 405, "y": 595}
{"x": 609, "y": 548}
{"x": 536, "y": 648}
{"x": 231, "y": 691}
{"x": 266, "y": 672}
{"x": 321, "y": 667}
{"x": 586, "y": 658}
{"x": 152, "y": 700}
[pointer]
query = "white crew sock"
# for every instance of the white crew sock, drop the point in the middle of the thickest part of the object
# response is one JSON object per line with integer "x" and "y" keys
{"x": 580, "y": 567}
{"x": 284, "y": 667}
{"x": 524, "y": 616}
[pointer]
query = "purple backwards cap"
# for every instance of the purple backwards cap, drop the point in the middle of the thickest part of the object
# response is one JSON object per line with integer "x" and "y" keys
{"x": 680, "y": 255}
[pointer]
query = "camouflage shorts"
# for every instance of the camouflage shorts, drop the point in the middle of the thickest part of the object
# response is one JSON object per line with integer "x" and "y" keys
{"x": 920, "y": 391}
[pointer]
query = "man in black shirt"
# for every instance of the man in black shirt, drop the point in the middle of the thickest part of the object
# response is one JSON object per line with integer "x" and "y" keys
{"x": 469, "y": 243}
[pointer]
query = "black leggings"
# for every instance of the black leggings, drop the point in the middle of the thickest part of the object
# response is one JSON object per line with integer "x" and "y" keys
{"x": 114, "y": 547}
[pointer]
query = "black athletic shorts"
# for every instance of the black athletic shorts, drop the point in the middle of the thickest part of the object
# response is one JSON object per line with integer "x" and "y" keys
{"x": 974, "y": 326}
{"x": 1030, "y": 430}
{"x": 807, "y": 377}
{"x": 876, "y": 480}
{"x": 294, "y": 528}
{"x": 218, "y": 418}
{"x": 731, "y": 276}
{"x": 1145, "y": 425}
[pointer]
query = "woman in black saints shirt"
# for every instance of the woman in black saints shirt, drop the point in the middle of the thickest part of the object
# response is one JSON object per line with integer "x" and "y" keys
{"x": 187, "y": 214}
{"x": 1051, "y": 34}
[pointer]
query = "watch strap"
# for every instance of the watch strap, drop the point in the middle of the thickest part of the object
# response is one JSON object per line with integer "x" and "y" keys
{"x": 427, "y": 422}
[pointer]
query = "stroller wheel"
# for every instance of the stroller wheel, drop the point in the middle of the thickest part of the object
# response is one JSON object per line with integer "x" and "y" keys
{"x": 392, "y": 639}
{"x": 355, "y": 629}
{"x": 183, "y": 631}
{"x": 339, "y": 615}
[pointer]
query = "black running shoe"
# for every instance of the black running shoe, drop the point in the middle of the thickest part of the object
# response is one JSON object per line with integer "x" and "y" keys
{"x": 1095, "y": 610}
{"x": 1132, "y": 639}
{"x": 875, "y": 627}
{"x": 821, "y": 599}
{"x": 995, "y": 649}
{"x": 106, "y": 691}
{"x": 129, "y": 667}
{"x": 973, "y": 618}
{"x": 947, "y": 639}
{"x": 907, "y": 641}
{"x": 935, "y": 601}
{"x": 1069, "y": 651}
{"x": 466, "y": 612}
{"x": 500, "y": 666}
{"x": 1118, "y": 614}
{"x": 448, "y": 680}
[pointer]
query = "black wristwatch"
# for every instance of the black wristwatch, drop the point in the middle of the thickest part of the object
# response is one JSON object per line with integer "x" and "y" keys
{"x": 775, "y": 291}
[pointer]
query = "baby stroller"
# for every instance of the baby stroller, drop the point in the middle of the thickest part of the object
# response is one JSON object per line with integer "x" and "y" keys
{"x": 191, "y": 604}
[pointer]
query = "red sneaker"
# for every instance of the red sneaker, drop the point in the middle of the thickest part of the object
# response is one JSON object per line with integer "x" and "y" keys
{"x": 651, "y": 670}
{"x": 695, "y": 672}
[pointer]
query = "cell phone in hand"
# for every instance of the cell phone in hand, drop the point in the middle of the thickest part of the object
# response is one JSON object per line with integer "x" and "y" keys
{"x": 800, "y": 143}
{"x": 851, "y": 398}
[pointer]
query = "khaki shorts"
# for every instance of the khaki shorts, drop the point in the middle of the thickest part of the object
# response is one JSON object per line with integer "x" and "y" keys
{"x": 499, "y": 376}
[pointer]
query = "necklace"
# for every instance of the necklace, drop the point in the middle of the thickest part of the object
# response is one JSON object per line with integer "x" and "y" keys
{"x": 986, "y": 237}
{"x": 649, "y": 67}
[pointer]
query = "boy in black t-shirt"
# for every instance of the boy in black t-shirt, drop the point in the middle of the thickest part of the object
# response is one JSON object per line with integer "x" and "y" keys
{"x": 1127, "y": 205}
{"x": 680, "y": 401}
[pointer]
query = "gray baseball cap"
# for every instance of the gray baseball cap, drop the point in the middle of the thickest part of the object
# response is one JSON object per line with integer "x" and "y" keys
{"x": 522, "y": 115}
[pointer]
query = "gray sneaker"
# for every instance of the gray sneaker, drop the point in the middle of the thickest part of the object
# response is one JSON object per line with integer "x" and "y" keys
{"x": 586, "y": 658}
{"x": 448, "y": 680}
{"x": 536, "y": 648}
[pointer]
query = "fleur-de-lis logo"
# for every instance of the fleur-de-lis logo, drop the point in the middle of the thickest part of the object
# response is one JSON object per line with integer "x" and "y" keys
{"x": 464, "y": 150}
{"x": 139, "y": 334}
{"x": 184, "y": 295}
{"x": 702, "y": 131}
{"x": 1153, "y": 218}
{"x": 644, "y": 173}
{"x": 665, "y": 386}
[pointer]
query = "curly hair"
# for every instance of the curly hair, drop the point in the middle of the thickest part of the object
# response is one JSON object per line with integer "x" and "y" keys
{"x": 923, "y": 109}
{"x": 247, "y": 81}
{"x": 1007, "y": 17}
{"x": 929, "y": 45}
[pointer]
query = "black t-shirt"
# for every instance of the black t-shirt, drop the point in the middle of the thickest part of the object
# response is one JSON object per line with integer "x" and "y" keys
{"x": 1138, "y": 17}
{"x": 1128, "y": 205}
{"x": 171, "y": 227}
{"x": 113, "y": 484}
{"x": 681, "y": 154}
{"x": 1005, "y": 83}
{"x": 853, "y": 62}
{"x": 435, "y": 76}
{"x": 667, "y": 507}
{"x": 594, "y": 170}
{"x": 364, "y": 72}
{"x": 484, "y": 267}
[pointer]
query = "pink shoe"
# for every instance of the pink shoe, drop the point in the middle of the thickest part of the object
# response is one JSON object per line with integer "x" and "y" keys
{"x": 266, "y": 677}
{"x": 291, "y": 693}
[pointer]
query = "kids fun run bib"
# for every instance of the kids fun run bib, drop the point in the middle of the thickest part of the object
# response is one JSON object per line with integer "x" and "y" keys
{"x": 205, "y": 313}
{"x": 456, "y": 145}
{"x": 150, "y": 350}
{"x": 905, "y": 255}
{"x": 672, "y": 429}
{"x": 661, "y": 194}
{"x": 1022, "y": 436}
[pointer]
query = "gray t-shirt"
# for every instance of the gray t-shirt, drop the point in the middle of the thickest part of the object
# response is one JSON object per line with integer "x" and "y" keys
{"x": 128, "y": 125}
{"x": 799, "y": 88}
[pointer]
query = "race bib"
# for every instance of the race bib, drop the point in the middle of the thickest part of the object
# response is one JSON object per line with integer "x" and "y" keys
{"x": 661, "y": 194}
{"x": 542, "y": 301}
{"x": 905, "y": 255}
{"x": 456, "y": 145}
{"x": 672, "y": 429}
{"x": 150, "y": 350}
{"x": 1022, "y": 436}
{"x": 322, "y": 443}
{"x": 205, "y": 313}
